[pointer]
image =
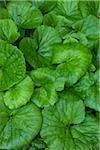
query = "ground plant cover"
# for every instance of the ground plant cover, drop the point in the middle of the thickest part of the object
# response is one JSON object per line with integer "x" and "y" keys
{"x": 49, "y": 75}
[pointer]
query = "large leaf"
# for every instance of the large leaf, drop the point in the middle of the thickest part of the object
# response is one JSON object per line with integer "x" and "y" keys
{"x": 86, "y": 132}
{"x": 18, "y": 127}
{"x": 33, "y": 57}
{"x": 92, "y": 97}
{"x": 38, "y": 51}
{"x": 84, "y": 84}
{"x": 44, "y": 5}
{"x": 24, "y": 14}
{"x": 8, "y": 30}
{"x": 88, "y": 89}
{"x": 69, "y": 9}
{"x": 61, "y": 24}
{"x": 20, "y": 94}
{"x": 73, "y": 37}
{"x": 45, "y": 96}
{"x": 89, "y": 26}
{"x": 42, "y": 76}
{"x": 48, "y": 84}
{"x": 46, "y": 37}
{"x": 73, "y": 61}
{"x": 89, "y": 7}
{"x": 61, "y": 121}
{"x": 12, "y": 65}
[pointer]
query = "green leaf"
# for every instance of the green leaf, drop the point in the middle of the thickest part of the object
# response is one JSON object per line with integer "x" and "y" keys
{"x": 69, "y": 9}
{"x": 32, "y": 56}
{"x": 40, "y": 97}
{"x": 45, "y": 37}
{"x": 89, "y": 7}
{"x": 78, "y": 37}
{"x": 52, "y": 94}
{"x": 3, "y": 13}
{"x": 16, "y": 10}
{"x": 97, "y": 77}
{"x": 87, "y": 132}
{"x": 84, "y": 84}
{"x": 48, "y": 84}
{"x": 72, "y": 105}
{"x": 18, "y": 127}
{"x": 32, "y": 19}
{"x": 24, "y": 14}
{"x": 89, "y": 26}
{"x": 40, "y": 52}
{"x": 92, "y": 97}
{"x": 45, "y": 96}
{"x": 93, "y": 93}
{"x": 59, "y": 83}
{"x": 62, "y": 120}
{"x": 69, "y": 38}
{"x": 20, "y": 94}
{"x": 60, "y": 23}
{"x": 8, "y": 30}
{"x": 12, "y": 65}
{"x": 72, "y": 60}
{"x": 42, "y": 76}
{"x": 88, "y": 89}
{"x": 50, "y": 19}
{"x": 44, "y": 6}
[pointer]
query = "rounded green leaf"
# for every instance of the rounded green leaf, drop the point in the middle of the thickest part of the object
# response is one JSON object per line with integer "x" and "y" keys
{"x": 32, "y": 19}
{"x": 29, "y": 47}
{"x": 18, "y": 127}
{"x": 12, "y": 65}
{"x": 24, "y": 14}
{"x": 69, "y": 9}
{"x": 40, "y": 47}
{"x": 89, "y": 26}
{"x": 44, "y": 5}
{"x": 92, "y": 97}
{"x": 47, "y": 86}
{"x": 20, "y": 94}
{"x": 8, "y": 30}
{"x": 89, "y": 7}
{"x": 45, "y": 37}
{"x": 45, "y": 96}
{"x": 86, "y": 132}
{"x": 84, "y": 84}
{"x": 73, "y": 61}
{"x": 66, "y": 127}
{"x": 40, "y": 97}
{"x": 46, "y": 83}
{"x": 60, "y": 23}
{"x": 88, "y": 88}
{"x": 72, "y": 107}
{"x": 42, "y": 76}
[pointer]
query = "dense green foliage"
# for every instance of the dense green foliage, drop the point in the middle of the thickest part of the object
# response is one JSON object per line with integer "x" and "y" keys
{"x": 49, "y": 75}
